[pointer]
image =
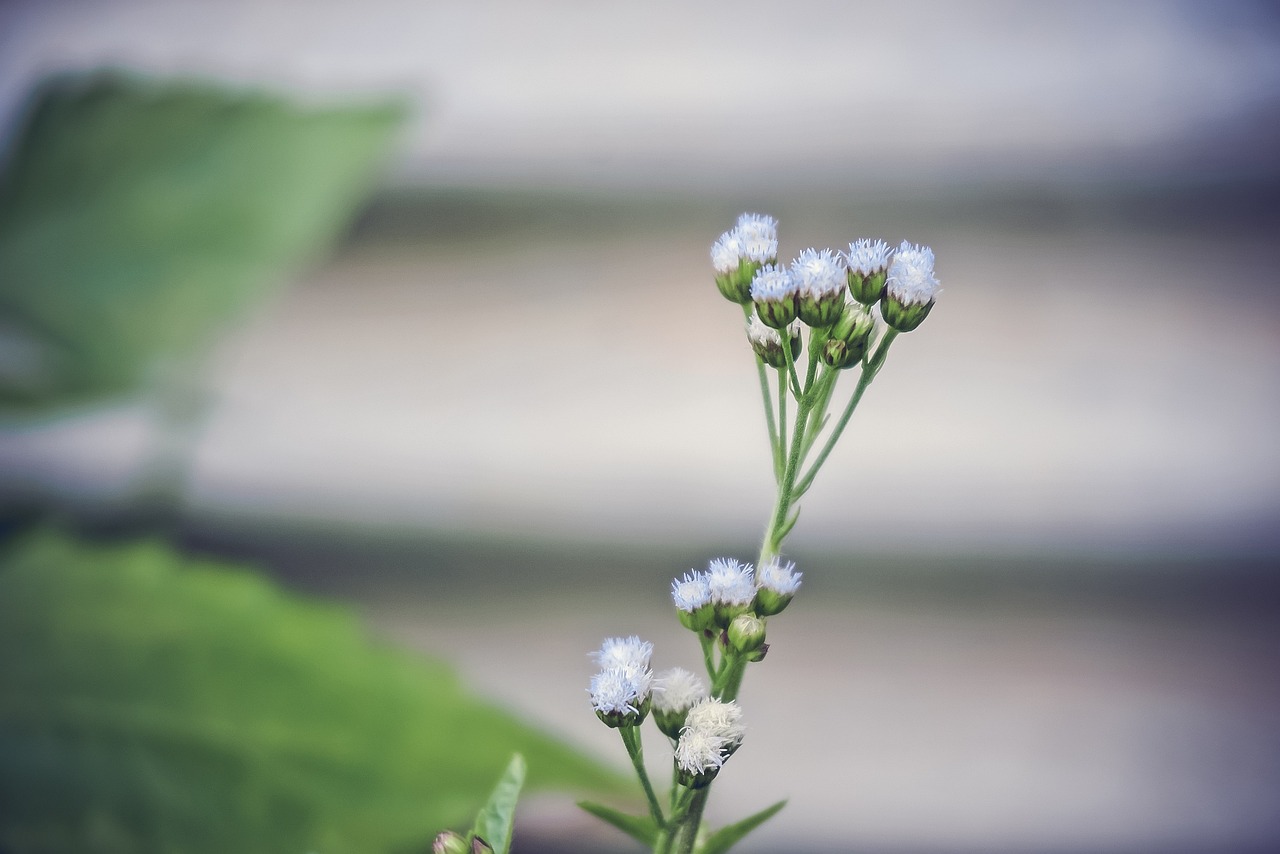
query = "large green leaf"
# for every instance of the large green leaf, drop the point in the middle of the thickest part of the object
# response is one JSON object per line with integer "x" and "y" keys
{"x": 154, "y": 704}
{"x": 497, "y": 817}
{"x": 137, "y": 217}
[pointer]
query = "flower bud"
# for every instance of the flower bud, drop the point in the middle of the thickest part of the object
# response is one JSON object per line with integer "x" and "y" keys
{"x": 620, "y": 692}
{"x": 448, "y": 842}
{"x": 746, "y": 633}
{"x": 849, "y": 338}
{"x": 692, "y": 598}
{"x": 867, "y": 263}
{"x": 910, "y": 288}
{"x": 713, "y": 731}
{"x": 767, "y": 342}
{"x": 738, "y": 255}
{"x": 731, "y": 587}
{"x": 479, "y": 846}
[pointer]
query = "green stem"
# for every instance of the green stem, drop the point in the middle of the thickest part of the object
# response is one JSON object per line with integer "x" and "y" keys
{"x": 687, "y": 832}
{"x": 869, "y": 371}
{"x": 631, "y": 738}
{"x": 708, "y": 653}
{"x": 779, "y": 464}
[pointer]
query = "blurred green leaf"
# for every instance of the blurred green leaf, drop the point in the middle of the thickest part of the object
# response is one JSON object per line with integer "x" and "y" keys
{"x": 638, "y": 827}
{"x": 150, "y": 703}
{"x": 498, "y": 815}
{"x": 726, "y": 837}
{"x": 138, "y": 217}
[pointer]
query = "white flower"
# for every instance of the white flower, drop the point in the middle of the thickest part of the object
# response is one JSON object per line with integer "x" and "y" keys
{"x": 773, "y": 282}
{"x": 866, "y": 256}
{"x": 630, "y": 653}
{"x": 691, "y": 592}
{"x": 726, "y": 252}
{"x": 712, "y": 732}
{"x": 911, "y": 280}
{"x": 676, "y": 690}
{"x": 620, "y": 690}
{"x": 698, "y": 752}
{"x": 730, "y": 582}
{"x": 818, "y": 274}
{"x": 761, "y": 334}
{"x": 758, "y": 226}
{"x": 783, "y": 580}
{"x": 722, "y": 720}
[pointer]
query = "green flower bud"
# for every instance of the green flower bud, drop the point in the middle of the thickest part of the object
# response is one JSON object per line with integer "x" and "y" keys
{"x": 867, "y": 262}
{"x": 621, "y": 718}
{"x": 904, "y": 316}
{"x": 866, "y": 289}
{"x": 849, "y": 338}
{"x": 448, "y": 842}
{"x": 746, "y": 633}
{"x": 758, "y": 655}
{"x": 479, "y": 846}
{"x": 767, "y": 342}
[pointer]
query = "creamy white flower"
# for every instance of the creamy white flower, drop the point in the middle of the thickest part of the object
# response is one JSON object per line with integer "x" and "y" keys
{"x": 783, "y": 580}
{"x": 867, "y": 256}
{"x": 773, "y": 282}
{"x": 818, "y": 274}
{"x": 911, "y": 280}
{"x": 726, "y": 252}
{"x": 676, "y": 690}
{"x": 758, "y": 332}
{"x": 730, "y": 582}
{"x": 620, "y": 690}
{"x": 628, "y": 653}
{"x": 691, "y": 592}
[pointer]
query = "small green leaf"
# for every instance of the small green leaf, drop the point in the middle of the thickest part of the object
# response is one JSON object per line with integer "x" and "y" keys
{"x": 497, "y": 816}
{"x": 726, "y": 837}
{"x": 638, "y": 827}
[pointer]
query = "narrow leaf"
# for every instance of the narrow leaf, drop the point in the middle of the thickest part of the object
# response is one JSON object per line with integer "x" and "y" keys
{"x": 726, "y": 837}
{"x": 638, "y": 827}
{"x": 497, "y": 816}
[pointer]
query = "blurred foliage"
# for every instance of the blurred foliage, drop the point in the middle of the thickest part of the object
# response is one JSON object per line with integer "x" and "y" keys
{"x": 150, "y": 703}
{"x": 137, "y": 217}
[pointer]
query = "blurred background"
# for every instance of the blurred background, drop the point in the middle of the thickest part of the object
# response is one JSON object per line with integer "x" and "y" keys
{"x": 501, "y": 403}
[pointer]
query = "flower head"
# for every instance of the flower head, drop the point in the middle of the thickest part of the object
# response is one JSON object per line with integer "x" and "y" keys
{"x": 620, "y": 691}
{"x": 777, "y": 585}
{"x": 629, "y": 653}
{"x": 726, "y": 252}
{"x": 776, "y": 295}
{"x": 691, "y": 592}
{"x": 866, "y": 256}
{"x": 818, "y": 273}
{"x": 911, "y": 280}
{"x": 675, "y": 691}
{"x": 754, "y": 226}
{"x": 732, "y": 589}
{"x": 910, "y": 288}
{"x": 712, "y": 732}
{"x": 730, "y": 582}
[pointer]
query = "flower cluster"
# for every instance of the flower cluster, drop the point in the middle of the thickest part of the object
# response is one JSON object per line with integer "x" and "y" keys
{"x": 620, "y": 691}
{"x": 827, "y": 290}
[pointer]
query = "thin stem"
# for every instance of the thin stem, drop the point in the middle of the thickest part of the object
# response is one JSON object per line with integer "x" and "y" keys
{"x": 631, "y": 738}
{"x": 708, "y": 653}
{"x": 869, "y": 371}
{"x": 779, "y": 462}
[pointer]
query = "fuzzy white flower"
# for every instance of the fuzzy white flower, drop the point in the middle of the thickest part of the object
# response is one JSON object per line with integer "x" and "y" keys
{"x": 773, "y": 282}
{"x": 726, "y": 252}
{"x": 818, "y": 273}
{"x": 783, "y": 580}
{"x": 722, "y": 720}
{"x": 620, "y": 690}
{"x": 761, "y": 334}
{"x": 867, "y": 256}
{"x": 712, "y": 732}
{"x": 629, "y": 653}
{"x": 691, "y": 592}
{"x": 730, "y": 582}
{"x": 911, "y": 280}
{"x": 758, "y": 226}
{"x": 677, "y": 690}
{"x": 699, "y": 752}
